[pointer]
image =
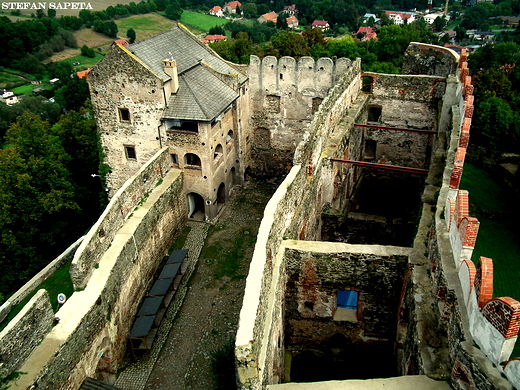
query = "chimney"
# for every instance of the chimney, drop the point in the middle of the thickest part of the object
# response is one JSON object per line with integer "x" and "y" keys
{"x": 170, "y": 68}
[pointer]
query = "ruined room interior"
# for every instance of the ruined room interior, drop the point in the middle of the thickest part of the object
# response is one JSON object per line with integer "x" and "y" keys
{"x": 341, "y": 310}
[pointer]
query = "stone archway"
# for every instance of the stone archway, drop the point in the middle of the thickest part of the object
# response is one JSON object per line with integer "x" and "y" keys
{"x": 196, "y": 208}
{"x": 221, "y": 195}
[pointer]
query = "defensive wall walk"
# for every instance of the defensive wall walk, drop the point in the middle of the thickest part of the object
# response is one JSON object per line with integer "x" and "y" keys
{"x": 74, "y": 310}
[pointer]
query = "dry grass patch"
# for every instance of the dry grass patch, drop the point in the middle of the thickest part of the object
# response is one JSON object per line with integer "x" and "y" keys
{"x": 145, "y": 26}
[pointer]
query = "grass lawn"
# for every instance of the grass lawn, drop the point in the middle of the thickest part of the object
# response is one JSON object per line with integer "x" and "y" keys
{"x": 84, "y": 61}
{"x": 201, "y": 22}
{"x": 496, "y": 239}
{"x": 59, "y": 282}
{"x": 25, "y": 89}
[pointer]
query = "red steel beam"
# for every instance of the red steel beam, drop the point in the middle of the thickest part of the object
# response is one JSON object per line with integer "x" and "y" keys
{"x": 395, "y": 129}
{"x": 365, "y": 164}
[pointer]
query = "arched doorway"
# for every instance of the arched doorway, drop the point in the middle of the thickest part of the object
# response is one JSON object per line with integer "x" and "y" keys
{"x": 196, "y": 206}
{"x": 221, "y": 195}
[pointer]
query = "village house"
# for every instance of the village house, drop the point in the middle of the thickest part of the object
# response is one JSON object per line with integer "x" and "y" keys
{"x": 291, "y": 9}
{"x": 232, "y": 6}
{"x": 214, "y": 38}
{"x": 216, "y": 11}
{"x": 430, "y": 18}
{"x": 323, "y": 24}
{"x": 122, "y": 42}
{"x": 268, "y": 17}
{"x": 292, "y": 22}
{"x": 400, "y": 18}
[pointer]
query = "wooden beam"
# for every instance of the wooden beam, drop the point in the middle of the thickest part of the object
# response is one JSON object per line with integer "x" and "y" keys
{"x": 382, "y": 166}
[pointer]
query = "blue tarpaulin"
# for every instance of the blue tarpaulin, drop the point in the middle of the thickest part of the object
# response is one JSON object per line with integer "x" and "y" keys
{"x": 347, "y": 299}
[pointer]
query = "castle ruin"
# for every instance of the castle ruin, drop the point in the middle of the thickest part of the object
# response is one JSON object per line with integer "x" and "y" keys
{"x": 181, "y": 127}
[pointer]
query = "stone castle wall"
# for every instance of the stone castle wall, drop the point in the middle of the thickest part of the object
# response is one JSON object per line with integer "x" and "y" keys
{"x": 122, "y": 81}
{"x": 91, "y": 328}
{"x": 260, "y": 338}
{"x": 128, "y": 197}
{"x": 285, "y": 94}
{"x": 24, "y": 332}
{"x": 293, "y": 213}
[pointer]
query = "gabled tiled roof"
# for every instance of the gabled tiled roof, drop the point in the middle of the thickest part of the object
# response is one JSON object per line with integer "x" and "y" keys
{"x": 186, "y": 50}
{"x": 214, "y": 38}
{"x": 215, "y": 9}
{"x": 122, "y": 42}
{"x": 270, "y": 16}
{"x": 364, "y": 30}
{"x": 320, "y": 23}
{"x": 201, "y": 96}
{"x": 233, "y": 4}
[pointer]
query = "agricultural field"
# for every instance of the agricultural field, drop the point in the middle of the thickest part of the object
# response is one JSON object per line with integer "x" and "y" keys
{"x": 9, "y": 80}
{"x": 145, "y": 26}
{"x": 199, "y": 23}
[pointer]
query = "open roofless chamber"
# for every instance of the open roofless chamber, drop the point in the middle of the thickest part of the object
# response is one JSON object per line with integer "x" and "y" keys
{"x": 342, "y": 310}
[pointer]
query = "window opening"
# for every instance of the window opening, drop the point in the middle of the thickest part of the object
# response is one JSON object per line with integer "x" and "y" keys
{"x": 192, "y": 159}
{"x": 374, "y": 114}
{"x": 229, "y": 137}
{"x": 346, "y": 306}
{"x": 130, "y": 152}
{"x": 124, "y": 115}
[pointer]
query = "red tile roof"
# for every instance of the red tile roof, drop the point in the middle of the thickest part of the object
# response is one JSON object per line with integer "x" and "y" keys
{"x": 214, "y": 38}
{"x": 364, "y": 30}
{"x": 122, "y": 42}
{"x": 320, "y": 23}
{"x": 233, "y": 4}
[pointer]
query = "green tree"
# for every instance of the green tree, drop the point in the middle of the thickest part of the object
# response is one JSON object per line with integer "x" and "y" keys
{"x": 286, "y": 43}
{"x": 36, "y": 197}
{"x": 439, "y": 23}
{"x": 281, "y": 21}
{"x": 51, "y": 13}
{"x": 250, "y": 10}
{"x": 87, "y": 51}
{"x": 173, "y": 11}
{"x": 72, "y": 94}
{"x": 80, "y": 139}
{"x": 217, "y": 30}
{"x": 130, "y": 33}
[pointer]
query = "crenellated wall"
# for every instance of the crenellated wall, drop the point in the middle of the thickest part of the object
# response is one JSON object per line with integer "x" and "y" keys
{"x": 474, "y": 316}
{"x": 284, "y": 95}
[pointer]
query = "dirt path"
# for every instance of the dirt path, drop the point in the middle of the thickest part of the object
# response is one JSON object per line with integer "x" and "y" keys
{"x": 199, "y": 351}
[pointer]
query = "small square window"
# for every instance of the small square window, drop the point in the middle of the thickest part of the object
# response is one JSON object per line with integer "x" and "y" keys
{"x": 124, "y": 115}
{"x": 130, "y": 152}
